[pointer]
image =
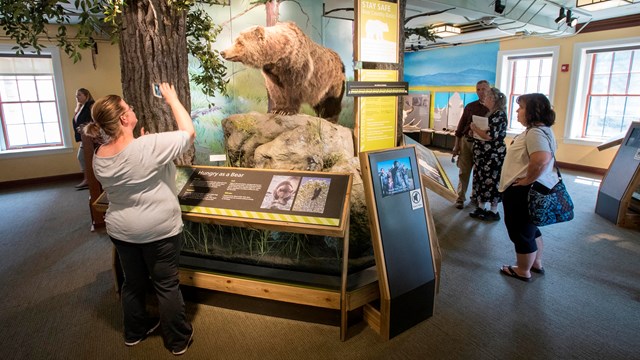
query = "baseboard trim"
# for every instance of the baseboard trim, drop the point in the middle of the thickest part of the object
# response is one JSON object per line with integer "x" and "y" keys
{"x": 40, "y": 180}
{"x": 578, "y": 167}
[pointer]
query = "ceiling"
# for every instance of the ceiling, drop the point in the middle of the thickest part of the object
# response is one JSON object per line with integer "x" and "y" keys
{"x": 478, "y": 20}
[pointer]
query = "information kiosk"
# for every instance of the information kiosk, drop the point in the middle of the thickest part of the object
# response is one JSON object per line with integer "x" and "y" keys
{"x": 619, "y": 194}
{"x": 401, "y": 240}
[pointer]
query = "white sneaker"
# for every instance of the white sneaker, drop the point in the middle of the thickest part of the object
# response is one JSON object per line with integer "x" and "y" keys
{"x": 180, "y": 352}
{"x": 155, "y": 322}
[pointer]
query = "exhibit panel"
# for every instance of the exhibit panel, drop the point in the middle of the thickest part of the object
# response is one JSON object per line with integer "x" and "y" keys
{"x": 619, "y": 195}
{"x": 402, "y": 241}
{"x": 432, "y": 172}
{"x": 282, "y": 220}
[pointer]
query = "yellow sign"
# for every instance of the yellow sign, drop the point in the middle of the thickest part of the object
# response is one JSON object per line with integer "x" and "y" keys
{"x": 377, "y": 115}
{"x": 377, "y": 31}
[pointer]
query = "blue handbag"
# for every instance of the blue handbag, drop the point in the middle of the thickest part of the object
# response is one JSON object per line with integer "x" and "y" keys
{"x": 550, "y": 206}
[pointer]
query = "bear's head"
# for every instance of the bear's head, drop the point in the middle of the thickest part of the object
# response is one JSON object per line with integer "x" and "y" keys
{"x": 253, "y": 47}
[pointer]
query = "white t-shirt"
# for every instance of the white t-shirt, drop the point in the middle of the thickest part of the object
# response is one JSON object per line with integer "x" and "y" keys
{"x": 517, "y": 159}
{"x": 140, "y": 184}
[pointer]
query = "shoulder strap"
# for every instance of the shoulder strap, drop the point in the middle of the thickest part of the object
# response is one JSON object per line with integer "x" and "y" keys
{"x": 555, "y": 163}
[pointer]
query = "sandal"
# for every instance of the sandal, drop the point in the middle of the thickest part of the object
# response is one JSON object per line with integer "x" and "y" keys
{"x": 513, "y": 273}
{"x": 537, "y": 270}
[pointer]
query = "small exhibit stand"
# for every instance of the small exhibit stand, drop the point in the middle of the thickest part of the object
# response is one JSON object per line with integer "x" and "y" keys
{"x": 246, "y": 198}
{"x": 402, "y": 239}
{"x": 619, "y": 194}
{"x": 432, "y": 173}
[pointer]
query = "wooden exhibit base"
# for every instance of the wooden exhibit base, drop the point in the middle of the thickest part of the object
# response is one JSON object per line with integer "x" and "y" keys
{"x": 352, "y": 299}
{"x": 364, "y": 289}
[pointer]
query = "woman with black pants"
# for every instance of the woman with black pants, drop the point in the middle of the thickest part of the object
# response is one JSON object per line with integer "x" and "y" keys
{"x": 529, "y": 159}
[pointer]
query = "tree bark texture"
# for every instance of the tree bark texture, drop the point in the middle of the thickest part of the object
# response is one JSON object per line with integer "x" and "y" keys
{"x": 153, "y": 49}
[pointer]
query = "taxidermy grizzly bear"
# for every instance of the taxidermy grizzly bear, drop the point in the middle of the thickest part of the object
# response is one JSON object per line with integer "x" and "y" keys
{"x": 296, "y": 69}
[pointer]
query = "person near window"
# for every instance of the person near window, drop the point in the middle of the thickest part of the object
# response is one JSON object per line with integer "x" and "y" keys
{"x": 489, "y": 151}
{"x": 463, "y": 146}
{"x": 144, "y": 220}
{"x": 528, "y": 159}
{"x": 81, "y": 117}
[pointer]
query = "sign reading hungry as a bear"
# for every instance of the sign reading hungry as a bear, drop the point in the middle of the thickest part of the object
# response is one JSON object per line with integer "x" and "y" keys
{"x": 296, "y": 69}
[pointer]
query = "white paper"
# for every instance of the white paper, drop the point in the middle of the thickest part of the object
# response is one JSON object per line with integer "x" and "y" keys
{"x": 481, "y": 122}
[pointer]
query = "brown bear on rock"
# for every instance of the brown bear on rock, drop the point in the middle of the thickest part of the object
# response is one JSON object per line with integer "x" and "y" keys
{"x": 296, "y": 69}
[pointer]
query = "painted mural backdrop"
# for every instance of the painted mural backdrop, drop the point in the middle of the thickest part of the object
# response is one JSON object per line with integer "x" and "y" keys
{"x": 246, "y": 86}
{"x": 448, "y": 74}
{"x": 452, "y": 66}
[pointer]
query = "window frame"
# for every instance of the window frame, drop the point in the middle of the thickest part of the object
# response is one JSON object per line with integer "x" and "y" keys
{"x": 504, "y": 73}
{"x": 60, "y": 94}
{"x": 578, "y": 87}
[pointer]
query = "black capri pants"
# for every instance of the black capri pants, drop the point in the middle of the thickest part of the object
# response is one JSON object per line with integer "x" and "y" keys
{"x": 522, "y": 231}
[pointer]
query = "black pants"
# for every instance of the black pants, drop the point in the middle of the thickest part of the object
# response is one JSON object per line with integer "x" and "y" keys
{"x": 522, "y": 231}
{"x": 158, "y": 261}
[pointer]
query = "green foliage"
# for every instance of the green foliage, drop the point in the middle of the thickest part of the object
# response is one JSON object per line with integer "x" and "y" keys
{"x": 201, "y": 35}
{"x": 29, "y": 22}
{"x": 423, "y": 32}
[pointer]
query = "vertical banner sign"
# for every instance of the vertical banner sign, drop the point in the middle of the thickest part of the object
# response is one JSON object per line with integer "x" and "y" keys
{"x": 377, "y": 31}
{"x": 376, "y": 115}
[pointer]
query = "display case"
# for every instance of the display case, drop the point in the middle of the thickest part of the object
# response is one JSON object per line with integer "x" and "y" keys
{"x": 274, "y": 234}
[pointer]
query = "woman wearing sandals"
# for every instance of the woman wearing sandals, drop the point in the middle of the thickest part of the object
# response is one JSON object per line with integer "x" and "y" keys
{"x": 529, "y": 159}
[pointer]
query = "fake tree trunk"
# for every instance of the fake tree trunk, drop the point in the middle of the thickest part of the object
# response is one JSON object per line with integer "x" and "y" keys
{"x": 153, "y": 48}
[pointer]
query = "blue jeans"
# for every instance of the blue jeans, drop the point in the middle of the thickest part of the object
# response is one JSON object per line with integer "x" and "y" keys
{"x": 157, "y": 262}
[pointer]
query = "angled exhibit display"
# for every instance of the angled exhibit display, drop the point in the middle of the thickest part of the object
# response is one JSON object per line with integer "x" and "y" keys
{"x": 619, "y": 194}
{"x": 402, "y": 239}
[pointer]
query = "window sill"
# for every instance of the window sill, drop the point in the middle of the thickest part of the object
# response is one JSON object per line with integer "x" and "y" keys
{"x": 583, "y": 142}
{"x": 23, "y": 153}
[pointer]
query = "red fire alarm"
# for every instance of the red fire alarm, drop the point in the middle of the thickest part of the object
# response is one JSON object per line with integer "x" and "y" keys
{"x": 564, "y": 67}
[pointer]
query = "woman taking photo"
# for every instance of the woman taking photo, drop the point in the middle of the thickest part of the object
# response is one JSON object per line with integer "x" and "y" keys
{"x": 528, "y": 160}
{"x": 144, "y": 220}
{"x": 488, "y": 156}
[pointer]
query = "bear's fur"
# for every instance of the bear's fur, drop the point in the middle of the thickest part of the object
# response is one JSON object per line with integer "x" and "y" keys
{"x": 296, "y": 69}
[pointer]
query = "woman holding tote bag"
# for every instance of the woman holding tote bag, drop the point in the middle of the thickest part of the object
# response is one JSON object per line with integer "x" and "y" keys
{"x": 529, "y": 159}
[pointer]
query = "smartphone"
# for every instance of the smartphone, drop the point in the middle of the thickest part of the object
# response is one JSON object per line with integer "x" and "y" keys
{"x": 156, "y": 90}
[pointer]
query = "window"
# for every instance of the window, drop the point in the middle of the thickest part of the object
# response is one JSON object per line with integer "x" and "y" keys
{"x": 605, "y": 95}
{"x": 30, "y": 110}
{"x": 525, "y": 71}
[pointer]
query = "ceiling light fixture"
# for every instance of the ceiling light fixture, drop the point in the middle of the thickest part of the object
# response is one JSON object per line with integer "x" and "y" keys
{"x": 446, "y": 30}
{"x": 498, "y": 6}
{"x": 595, "y": 5}
{"x": 561, "y": 16}
{"x": 571, "y": 21}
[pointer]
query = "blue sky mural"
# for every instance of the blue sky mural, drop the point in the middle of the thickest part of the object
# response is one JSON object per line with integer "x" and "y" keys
{"x": 452, "y": 66}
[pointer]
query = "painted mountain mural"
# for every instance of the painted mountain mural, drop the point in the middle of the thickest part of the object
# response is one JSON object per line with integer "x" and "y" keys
{"x": 453, "y": 66}
{"x": 464, "y": 78}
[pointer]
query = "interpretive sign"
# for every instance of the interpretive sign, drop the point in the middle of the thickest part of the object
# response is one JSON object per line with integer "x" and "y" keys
{"x": 377, "y": 116}
{"x": 402, "y": 243}
{"x": 272, "y": 195}
{"x": 432, "y": 172}
{"x": 369, "y": 88}
{"x": 377, "y": 31}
